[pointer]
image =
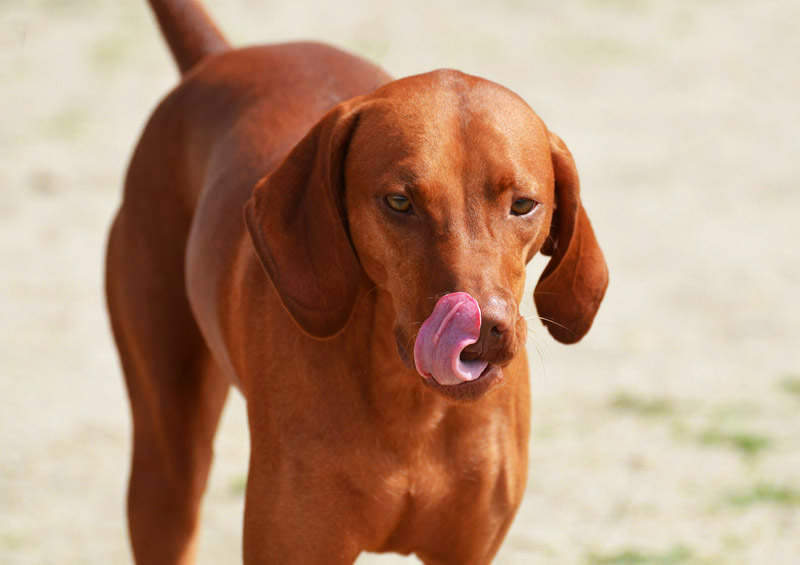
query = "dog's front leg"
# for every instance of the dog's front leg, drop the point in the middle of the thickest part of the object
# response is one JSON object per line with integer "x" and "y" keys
{"x": 292, "y": 520}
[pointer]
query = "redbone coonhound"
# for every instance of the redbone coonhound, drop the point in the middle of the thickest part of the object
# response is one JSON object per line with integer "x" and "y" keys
{"x": 349, "y": 251}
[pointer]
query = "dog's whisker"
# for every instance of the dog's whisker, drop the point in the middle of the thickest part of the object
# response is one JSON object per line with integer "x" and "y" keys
{"x": 540, "y": 354}
{"x": 548, "y": 320}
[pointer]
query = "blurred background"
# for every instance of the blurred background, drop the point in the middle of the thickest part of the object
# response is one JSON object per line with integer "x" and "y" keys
{"x": 669, "y": 435}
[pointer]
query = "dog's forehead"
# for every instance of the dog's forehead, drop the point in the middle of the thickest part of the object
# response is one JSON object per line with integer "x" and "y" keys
{"x": 439, "y": 100}
{"x": 447, "y": 117}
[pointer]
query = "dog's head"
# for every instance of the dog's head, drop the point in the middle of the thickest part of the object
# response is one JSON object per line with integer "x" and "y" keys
{"x": 438, "y": 189}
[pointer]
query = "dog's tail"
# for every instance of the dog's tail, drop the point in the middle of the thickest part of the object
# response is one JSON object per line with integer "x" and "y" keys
{"x": 189, "y": 31}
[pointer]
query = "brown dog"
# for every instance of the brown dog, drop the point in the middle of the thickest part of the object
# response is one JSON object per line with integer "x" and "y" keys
{"x": 386, "y": 226}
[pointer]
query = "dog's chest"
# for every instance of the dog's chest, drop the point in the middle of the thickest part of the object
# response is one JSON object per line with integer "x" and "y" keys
{"x": 465, "y": 493}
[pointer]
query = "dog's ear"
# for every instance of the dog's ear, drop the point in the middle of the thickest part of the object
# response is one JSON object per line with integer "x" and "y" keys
{"x": 572, "y": 285}
{"x": 297, "y": 224}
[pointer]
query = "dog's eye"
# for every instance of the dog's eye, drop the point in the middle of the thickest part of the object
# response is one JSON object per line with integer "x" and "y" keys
{"x": 522, "y": 206}
{"x": 398, "y": 203}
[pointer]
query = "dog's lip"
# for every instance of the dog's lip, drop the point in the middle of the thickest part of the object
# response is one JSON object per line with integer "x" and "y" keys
{"x": 489, "y": 367}
{"x": 469, "y": 390}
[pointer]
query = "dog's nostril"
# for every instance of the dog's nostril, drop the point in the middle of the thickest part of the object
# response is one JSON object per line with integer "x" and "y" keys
{"x": 468, "y": 355}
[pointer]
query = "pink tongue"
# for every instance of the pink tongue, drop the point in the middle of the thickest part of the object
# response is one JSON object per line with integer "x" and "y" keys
{"x": 454, "y": 324}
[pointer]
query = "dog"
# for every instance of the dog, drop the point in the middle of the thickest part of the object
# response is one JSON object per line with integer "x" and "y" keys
{"x": 349, "y": 251}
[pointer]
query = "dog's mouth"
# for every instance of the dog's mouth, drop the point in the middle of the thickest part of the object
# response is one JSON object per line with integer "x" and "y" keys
{"x": 469, "y": 390}
{"x": 442, "y": 353}
{"x": 491, "y": 375}
{"x": 446, "y": 352}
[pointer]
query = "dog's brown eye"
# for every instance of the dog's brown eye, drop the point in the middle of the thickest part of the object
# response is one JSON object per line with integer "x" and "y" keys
{"x": 522, "y": 206}
{"x": 398, "y": 203}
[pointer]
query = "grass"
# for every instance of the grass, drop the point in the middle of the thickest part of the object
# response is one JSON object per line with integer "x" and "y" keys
{"x": 626, "y": 402}
{"x": 791, "y": 385}
{"x": 68, "y": 7}
{"x": 629, "y": 556}
{"x": 735, "y": 411}
{"x": 596, "y": 50}
{"x": 238, "y": 485}
{"x": 109, "y": 53}
{"x": 11, "y": 541}
{"x": 373, "y": 49}
{"x": 748, "y": 444}
{"x": 628, "y": 6}
{"x": 766, "y": 493}
{"x": 67, "y": 124}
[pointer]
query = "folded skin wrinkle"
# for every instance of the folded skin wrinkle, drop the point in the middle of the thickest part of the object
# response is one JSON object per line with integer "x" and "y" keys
{"x": 454, "y": 324}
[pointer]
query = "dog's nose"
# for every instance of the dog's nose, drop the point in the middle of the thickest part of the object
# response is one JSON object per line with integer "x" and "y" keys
{"x": 496, "y": 341}
{"x": 498, "y": 329}
{"x": 496, "y": 320}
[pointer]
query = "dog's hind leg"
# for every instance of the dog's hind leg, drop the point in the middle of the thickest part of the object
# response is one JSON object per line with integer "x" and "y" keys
{"x": 176, "y": 391}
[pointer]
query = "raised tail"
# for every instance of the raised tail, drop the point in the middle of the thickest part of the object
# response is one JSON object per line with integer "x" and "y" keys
{"x": 189, "y": 31}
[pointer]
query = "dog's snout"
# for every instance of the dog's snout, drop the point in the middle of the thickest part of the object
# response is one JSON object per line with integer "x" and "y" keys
{"x": 496, "y": 320}
{"x": 496, "y": 343}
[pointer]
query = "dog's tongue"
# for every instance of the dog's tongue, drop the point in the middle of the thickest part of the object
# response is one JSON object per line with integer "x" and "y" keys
{"x": 454, "y": 324}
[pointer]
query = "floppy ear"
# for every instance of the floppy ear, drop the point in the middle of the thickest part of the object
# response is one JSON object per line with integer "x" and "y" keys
{"x": 296, "y": 221}
{"x": 572, "y": 285}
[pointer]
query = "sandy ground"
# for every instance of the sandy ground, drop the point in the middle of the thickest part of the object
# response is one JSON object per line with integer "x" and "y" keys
{"x": 669, "y": 435}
